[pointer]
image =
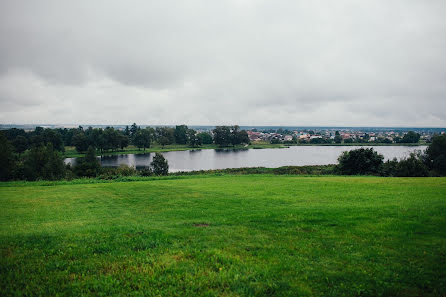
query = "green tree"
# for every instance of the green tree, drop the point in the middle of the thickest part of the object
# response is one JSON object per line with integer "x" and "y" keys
{"x": 205, "y": 138}
{"x": 436, "y": 154}
{"x": 133, "y": 129}
{"x": 89, "y": 165}
{"x": 80, "y": 142}
{"x": 192, "y": 138}
{"x": 412, "y": 166}
{"x": 362, "y": 161}
{"x": 53, "y": 137}
{"x": 338, "y": 137}
{"x": 7, "y": 160}
{"x": 143, "y": 139}
{"x": 222, "y": 135}
{"x": 43, "y": 162}
{"x": 181, "y": 134}
{"x": 410, "y": 137}
{"x": 20, "y": 144}
{"x": 159, "y": 165}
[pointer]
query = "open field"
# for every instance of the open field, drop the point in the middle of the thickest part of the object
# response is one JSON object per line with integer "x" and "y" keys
{"x": 251, "y": 235}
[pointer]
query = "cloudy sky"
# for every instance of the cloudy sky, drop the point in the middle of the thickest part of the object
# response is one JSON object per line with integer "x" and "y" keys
{"x": 314, "y": 62}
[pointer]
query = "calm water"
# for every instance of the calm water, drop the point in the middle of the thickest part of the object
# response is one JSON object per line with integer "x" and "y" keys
{"x": 228, "y": 158}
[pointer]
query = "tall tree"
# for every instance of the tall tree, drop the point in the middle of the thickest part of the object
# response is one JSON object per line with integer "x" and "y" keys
{"x": 89, "y": 165}
{"x": 7, "y": 161}
{"x": 436, "y": 154}
{"x": 43, "y": 162}
{"x": 222, "y": 135}
{"x": 20, "y": 144}
{"x": 181, "y": 133}
{"x": 143, "y": 138}
{"x": 205, "y": 138}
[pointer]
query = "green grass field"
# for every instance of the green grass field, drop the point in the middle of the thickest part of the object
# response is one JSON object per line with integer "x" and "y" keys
{"x": 251, "y": 235}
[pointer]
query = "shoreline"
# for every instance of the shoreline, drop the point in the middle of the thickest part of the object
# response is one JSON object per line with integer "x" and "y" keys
{"x": 70, "y": 152}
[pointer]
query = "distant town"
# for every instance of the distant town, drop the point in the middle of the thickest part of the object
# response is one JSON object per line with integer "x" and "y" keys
{"x": 296, "y": 135}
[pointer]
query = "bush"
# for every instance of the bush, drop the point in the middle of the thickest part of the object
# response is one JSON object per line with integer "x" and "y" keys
{"x": 160, "y": 165}
{"x": 389, "y": 167}
{"x": 412, "y": 166}
{"x": 147, "y": 171}
{"x": 362, "y": 161}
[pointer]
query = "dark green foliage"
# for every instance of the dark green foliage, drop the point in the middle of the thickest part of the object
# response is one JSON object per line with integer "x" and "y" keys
{"x": 410, "y": 137}
{"x": 222, "y": 135}
{"x": 238, "y": 136}
{"x": 285, "y": 170}
{"x": 7, "y": 161}
{"x": 20, "y": 144}
{"x": 192, "y": 138}
{"x": 53, "y": 137}
{"x": 181, "y": 136}
{"x": 348, "y": 140}
{"x": 436, "y": 154}
{"x": 43, "y": 162}
{"x": 319, "y": 140}
{"x": 142, "y": 139}
{"x": 89, "y": 165}
{"x": 165, "y": 135}
{"x": 412, "y": 166}
{"x": 360, "y": 161}
{"x": 338, "y": 139}
{"x": 389, "y": 167}
{"x": 159, "y": 165}
{"x": 133, "y": 130}
{"x": 230, "y": 135}
{"x": 205, "y": 138}
{"x": 12, "y": 133}
{"x": 147, "y": 171}
{"x": 80, "y": 141}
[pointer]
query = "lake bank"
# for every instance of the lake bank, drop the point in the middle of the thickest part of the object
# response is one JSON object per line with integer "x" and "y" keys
{"x": 211, "y": 159}
{"x": 70, "y": 152}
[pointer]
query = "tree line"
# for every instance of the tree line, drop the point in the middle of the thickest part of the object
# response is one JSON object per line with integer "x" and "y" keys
{"x": 366, "y": 161}
{"x": 38, "y": 154}
{"x": 111, "y": 139}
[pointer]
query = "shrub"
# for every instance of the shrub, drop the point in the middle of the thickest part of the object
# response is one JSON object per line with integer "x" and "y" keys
{"x": 360, "y": 161}
{"x": 412, "y": 166}
{"x": 146, "y": 171}
{"x": 160, "y": 165}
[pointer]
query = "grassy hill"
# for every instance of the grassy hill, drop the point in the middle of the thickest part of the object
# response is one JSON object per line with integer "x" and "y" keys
{"x": 258, "y": 235}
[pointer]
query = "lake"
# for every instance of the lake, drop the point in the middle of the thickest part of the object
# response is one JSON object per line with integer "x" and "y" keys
{"x": 230, "y": 158}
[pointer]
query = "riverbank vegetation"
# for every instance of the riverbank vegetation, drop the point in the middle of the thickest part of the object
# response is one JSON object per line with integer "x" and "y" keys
{"x": 44, "y": 162}
{"x": 264, "y": 235}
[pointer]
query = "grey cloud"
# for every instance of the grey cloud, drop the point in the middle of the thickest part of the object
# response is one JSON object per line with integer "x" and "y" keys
{"x": 225, "y": 61}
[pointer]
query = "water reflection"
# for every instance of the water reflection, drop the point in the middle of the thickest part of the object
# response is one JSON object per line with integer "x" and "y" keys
{"x": 205, "y": 159}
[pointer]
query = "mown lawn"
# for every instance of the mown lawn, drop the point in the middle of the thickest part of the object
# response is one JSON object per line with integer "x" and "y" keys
{"x": 253, "y": 235}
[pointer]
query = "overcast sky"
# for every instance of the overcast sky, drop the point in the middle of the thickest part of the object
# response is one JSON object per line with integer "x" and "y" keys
{"x": 342, "y": 63}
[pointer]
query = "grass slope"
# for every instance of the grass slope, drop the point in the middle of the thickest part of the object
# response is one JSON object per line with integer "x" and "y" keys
{"x": 258, "y": 235}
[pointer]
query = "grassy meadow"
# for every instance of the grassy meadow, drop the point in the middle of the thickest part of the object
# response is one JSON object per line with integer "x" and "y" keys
{"x": 250, "y": 235}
